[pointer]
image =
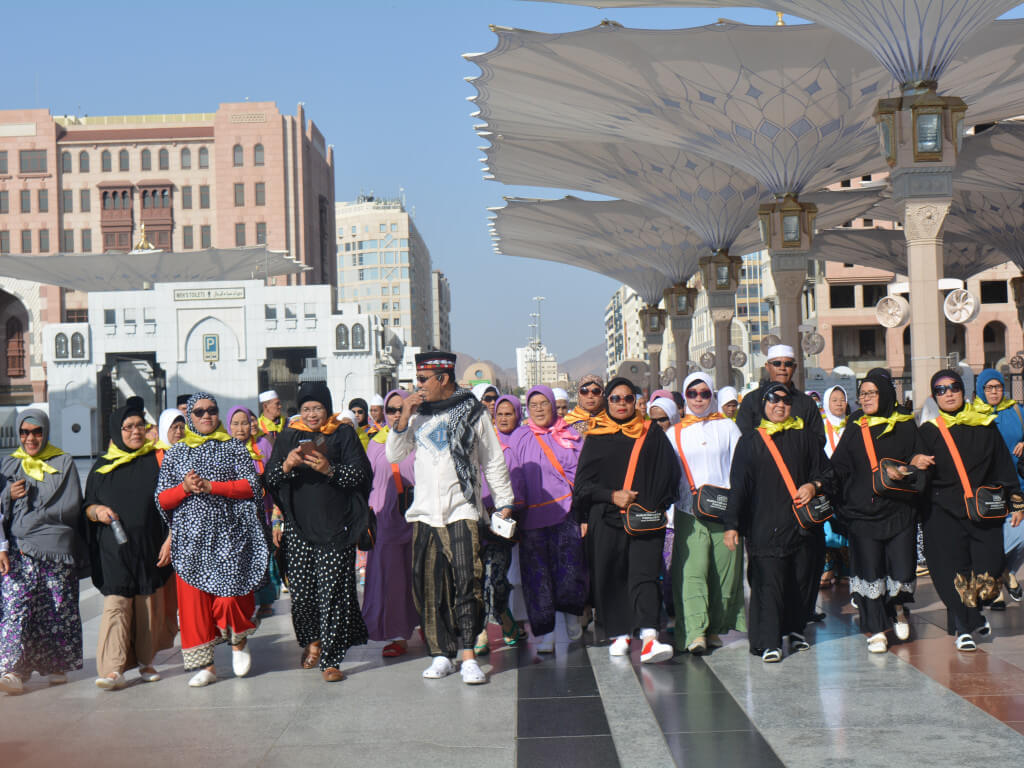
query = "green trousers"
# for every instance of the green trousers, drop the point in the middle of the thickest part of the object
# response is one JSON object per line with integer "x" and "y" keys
{"x": 707, "y": 581}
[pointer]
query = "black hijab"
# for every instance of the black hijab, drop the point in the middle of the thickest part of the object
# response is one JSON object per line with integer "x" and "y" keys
{"x": 948, "y": 373}
{"x": 117, "y": 420}
{"x": 619, "y": 381}
{"x": 887, "y": 400}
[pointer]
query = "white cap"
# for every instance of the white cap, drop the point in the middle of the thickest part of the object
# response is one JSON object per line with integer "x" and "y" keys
{"x": 560, "y": 394}
{"x": 266, "y": 397}
{"x": 347, "y": 414}
{"x": 377, "y": 400}
{"x": 780, "y": 351}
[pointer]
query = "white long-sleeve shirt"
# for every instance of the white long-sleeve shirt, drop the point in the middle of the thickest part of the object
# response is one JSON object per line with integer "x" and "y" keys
{"x": 708, "y": 447}
{"x": 438, "y": 499}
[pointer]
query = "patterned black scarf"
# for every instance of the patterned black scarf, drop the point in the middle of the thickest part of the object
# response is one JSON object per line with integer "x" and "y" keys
{"x": 464, "y": 411}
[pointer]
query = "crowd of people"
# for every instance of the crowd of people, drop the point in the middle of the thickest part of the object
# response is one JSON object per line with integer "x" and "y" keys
{"x": 635, "y": 515}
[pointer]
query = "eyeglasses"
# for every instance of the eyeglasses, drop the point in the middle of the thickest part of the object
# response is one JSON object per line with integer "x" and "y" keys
{"x": 200, "y": 413}
{"x": 869, "y": 394}
{"x": 311, "y": 409}
{"x": 782, "y": 364}
{"x": 392, "y": 411}
{"x": 37, "y": 432}
{"x": 774, "y": 397}
{"x": 141, "y": 427}
{"x": 627, "y": 399}
{"x": 539, "y": 405}
{"x": 596, "y": 391}
{"x": 698, "y": 394}
{"x": 489, "y": 398}
{"x": 993, "y": 386}
{"x": 941, "y": 389}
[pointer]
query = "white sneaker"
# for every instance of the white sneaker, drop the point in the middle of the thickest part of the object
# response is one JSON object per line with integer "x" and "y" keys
{"x": 11, "y": 684}
{"x": 620, "y": 646}
{"x": 111, "y": 683}
{"x": 57, "y": 678}
{"x": 655, "y": 651}
{"x": 440, "y": 667}
{"x": 471, "y": 673}
{"x": 202, "y": 678}
{"x": 546, "y": 643}
{"x": 878, "y": 643}
{"x": 901, "y": 627}
{"x": 573, "y": 628}
{"x": 241, "y": 661}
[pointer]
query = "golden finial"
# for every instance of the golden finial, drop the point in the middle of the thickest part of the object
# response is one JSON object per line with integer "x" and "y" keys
{"x": 778, "y": 19}
{"x": 143, "y": 244}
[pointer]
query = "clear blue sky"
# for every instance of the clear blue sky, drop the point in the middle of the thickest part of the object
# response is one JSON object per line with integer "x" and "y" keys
{"x": 383, "y": 80}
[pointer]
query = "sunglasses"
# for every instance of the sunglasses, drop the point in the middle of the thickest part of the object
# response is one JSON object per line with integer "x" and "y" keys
{"x": 200, "y": 413}
{"x": 425, "y": 379}
{"x": 392, "y": 411}
{"x": 663, "y": 420}
{"x": 777, "y": 398}
{"x": 627, "y": 399}
{"x": 489, "y": 398}
{"x": 591, "y": 391}
{"x": 698, "y": 394}
{"x": 941, "y": 389}
{"x": 358, "y": 411}
{"x": 782, "y": 364}
{"x": 37, "y": 432}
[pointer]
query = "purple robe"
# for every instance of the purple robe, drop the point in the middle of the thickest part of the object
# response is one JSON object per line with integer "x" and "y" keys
{"x": 546, "y": 495}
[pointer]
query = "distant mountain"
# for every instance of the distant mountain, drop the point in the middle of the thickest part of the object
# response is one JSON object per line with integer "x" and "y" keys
{"x": 593, "y": 360}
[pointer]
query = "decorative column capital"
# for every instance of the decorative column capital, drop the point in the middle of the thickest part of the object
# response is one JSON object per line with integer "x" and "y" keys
{"x": 923, "y": 219}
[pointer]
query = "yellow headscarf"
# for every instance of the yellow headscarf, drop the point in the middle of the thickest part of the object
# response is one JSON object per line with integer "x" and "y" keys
{"x": 119, "y": 458}
{"x": 889, "y": 421}
{"x": 606, "y": 425}
{"x": 194, "y": 439}
{"x": 267, "y": 426}
{"x": 982, "y": 407}
{"x": 968, "y": 415}
{"x": 771, "y": 427}
{"x": 36, "y": 466}
{"x": 690, "y": 418}
{"x": 381, "y": 435}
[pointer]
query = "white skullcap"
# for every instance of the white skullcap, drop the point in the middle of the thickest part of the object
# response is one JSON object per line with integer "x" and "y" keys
{"x": 377, "y": 400}
{"x": 726, "y": 395}
{"x": 347, "y": 414}
{"x": 266, "y": 397}
{"x": 780, "y": 351}
{"x": 560, "y": 394}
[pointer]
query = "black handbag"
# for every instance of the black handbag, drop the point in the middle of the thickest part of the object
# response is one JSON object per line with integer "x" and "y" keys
{"x": 911, "y": 482}
{"x": 708, "y": 502}
{"x": 987, "y": 502}
{"x": 364, "y": 522}
{"x": 637, "y": 519}
{"x": 816, "y": 511}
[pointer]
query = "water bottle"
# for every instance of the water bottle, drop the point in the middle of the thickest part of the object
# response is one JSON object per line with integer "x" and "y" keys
{"x": 119, "y": 535}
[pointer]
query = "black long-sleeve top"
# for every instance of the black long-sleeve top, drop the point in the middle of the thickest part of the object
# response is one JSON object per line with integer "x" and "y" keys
{"x": 864, "y": 513}
{"x": 748, "y": 417}
{"x": 760, "y": 505}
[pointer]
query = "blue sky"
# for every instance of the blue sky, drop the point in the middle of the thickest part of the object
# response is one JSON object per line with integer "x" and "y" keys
{"x": 383, "y": 80}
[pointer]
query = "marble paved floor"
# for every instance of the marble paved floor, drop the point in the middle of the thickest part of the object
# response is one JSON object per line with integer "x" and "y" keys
{"x": 834, "y": 705}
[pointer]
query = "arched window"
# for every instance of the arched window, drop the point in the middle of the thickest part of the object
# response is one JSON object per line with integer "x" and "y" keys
{"x": 147, "y": 161}
{"x": 126, "y": 201}
{"x": 164, "y": 159}
{"x": 122, "y": 160}
{"x": 83, "y": 162}
{"x": 117, "y": 201}
{"x": 358, "y": 336}
{"x": 105, "y": 160}
{"x": 186, "y": 159}
{"x": 341, "y": 336}
{"x": 204, "y": 157}
{"x": 237, "y": 156}
{"x": 108, "y": 202}
{"x": 65, "y": 162}
{"x": 257, "y": 155}
{"x": 60, "y": 344}
{"x": 165, "y": 198}
{"x": 145, "y": 198}
{"x": 15, "y": 349}
{"x": 77, "y": 345}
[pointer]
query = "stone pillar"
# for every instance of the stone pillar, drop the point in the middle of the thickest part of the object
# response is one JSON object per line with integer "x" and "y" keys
{"x": 922, "y": 226}
{"x": 722, "y": 305}
{"x": 789, "y": 272}
{"x": 681, "y": 326}
{"x": 654, "y": 343}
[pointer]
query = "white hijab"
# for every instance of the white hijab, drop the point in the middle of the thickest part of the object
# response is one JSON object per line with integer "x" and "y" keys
{"x": 668, "y": 406}
{"x": 481, "y": 389}
{"x": 712, "y": 405}
{"x": 167, "y": 418}
{"x": 727, "y": 394}
{"x": 833, "y": 420}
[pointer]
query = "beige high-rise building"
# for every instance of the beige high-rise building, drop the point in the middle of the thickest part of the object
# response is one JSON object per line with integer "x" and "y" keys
{"x": 243, "y": 175}
{"x": 442, "y": 301}
{"x": 384, "y": 266}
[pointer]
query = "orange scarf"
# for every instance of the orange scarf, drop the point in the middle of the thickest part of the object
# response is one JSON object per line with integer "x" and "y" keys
{"x": 606, "y": 425}
{"x": 329, "y": 426}
{"x": 690, "y": 419}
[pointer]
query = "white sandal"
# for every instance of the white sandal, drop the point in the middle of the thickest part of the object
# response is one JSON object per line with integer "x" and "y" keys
{"x": 965, "y": 643}
{"x": 202, "y": 678}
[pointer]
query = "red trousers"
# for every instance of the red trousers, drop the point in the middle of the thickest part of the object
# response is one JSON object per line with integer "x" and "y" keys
{"x": 207, "y": 619}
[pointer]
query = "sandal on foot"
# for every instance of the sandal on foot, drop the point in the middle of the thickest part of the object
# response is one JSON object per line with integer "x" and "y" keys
{"x": 481, "y": 647}
{"x": 311, "y": 658}
{"x": 395, "y": 649}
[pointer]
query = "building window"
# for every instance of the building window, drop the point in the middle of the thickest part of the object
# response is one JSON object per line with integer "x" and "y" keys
{"x": 68, "y": 240}
{"x": 186, "y": 197}
{"x": 32, "y": 160}
{"x": 204, "y": 236}
{"x": 841, "y": 297}
{"x": 145, "y": 199}
{"x": 44, "y": 201}
{"x": 26, "y": 201}
{"x": 86, "y": 241}
{"x": 341, "y": 336}
{"x": 309, "y": 310}
{"x": 147, "y": 161}
{"x": 397, "y": 321}
{"x": 60, "y": 346}
{"x": 239, "y": 195}
{"x": 994, "y": 292}
{"x": 26, "y": 241}
{"x": 358, "y": 336}
{"x": 105, "y": 161}
{"x": 240, "y": 234}
{"x": 261, "y": 193}
{"x": 84, "y": 201}
{"x": 204, "y": 196}
{"x": 77, "y": 339}
{"x": 291, "y": 312}
{"x": 270, "y": 312}
{"x": 164, "y": 159}
{"x": 67, "y": 199}
{"x": 186, "y": 238}
{"x": 83, "y": 162}
{"x": 165, "y": 198}
{"x": 257, "y": 155}
{"x": 845, "y": 183}
{"x": 873, "y": 294}
{"x": 110, "y": 317}
{"x": 65, "y": 162}
{"x": 15, "y": 348}
{"x": 237, "y": 156}
{"x": 122, "y": 160}
{"x": 261, "y": 233}
{"x": 44, "y": 241}
{"x": 186, "y": 158}
{"x": 5, "y": 201}
{"x": 3, "y": 162}
{"x": 129, "y": 316}
{"x": 394, "y": 227}
{"x": 5, "y": 241}
{"x": 204, "y": 157}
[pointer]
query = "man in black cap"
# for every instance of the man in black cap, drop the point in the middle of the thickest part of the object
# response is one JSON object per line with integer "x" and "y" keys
{"x": 454, "y": 440}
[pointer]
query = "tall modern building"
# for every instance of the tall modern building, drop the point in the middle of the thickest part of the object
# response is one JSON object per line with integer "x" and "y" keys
{"x": 624, "y": 338}
{"x": 384, "y": 266}
{"x": 535, "y": 365}
{"x": 243, "y": 175}
{"x": 442, "y": 302}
